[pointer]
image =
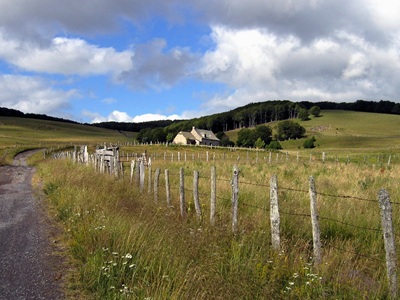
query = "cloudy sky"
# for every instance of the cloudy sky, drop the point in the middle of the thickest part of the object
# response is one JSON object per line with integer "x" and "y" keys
{"x": 138, "y": 60}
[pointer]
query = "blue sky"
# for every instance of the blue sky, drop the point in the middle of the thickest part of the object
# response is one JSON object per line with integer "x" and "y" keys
{"x": 135, "y": 60}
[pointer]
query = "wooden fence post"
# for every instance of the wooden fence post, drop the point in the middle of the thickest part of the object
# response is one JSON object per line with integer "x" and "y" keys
{"x": 388, "y": 235}
{"x": 137, "y": 172}
{"x": 235, "y": 198}
{"x": 167, "y": 190}
{"x": 149, "y": 185}
{"x": 196, "y": 193}
{"x": 315, "y": 223}
{"x": 141, "y": 174}
{"x": 182, "y": 192}
{"x": 213, "y": 195}
{"x": 156, "y": 178}
{"x": 274, "y": 213}
{"x": 132, "y": 168}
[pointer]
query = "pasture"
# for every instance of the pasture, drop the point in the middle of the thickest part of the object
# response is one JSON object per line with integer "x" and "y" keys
{"x": 126, "y": 244}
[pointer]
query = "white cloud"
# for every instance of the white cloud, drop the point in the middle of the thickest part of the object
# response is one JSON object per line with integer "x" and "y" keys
{"x": 119, "y": 116}
{"x": 258, "y": 65}
{"x": 155, "y": 117}
{"x": 357, "y": 66}
{"x": 33, "y": 95}
{"x": 65, "y": 56}
{"x": 109, "y": 100}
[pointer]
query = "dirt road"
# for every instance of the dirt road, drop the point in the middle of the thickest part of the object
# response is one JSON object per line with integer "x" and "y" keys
{"x": 28, "y": 270}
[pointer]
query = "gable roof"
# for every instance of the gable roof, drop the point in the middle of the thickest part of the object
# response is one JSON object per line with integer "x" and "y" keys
{"x": 187, "y": 135}
{"x": 204, "y": 134}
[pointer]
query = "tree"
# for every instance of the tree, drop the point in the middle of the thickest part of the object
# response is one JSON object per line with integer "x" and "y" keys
{"x": 303, "y": 114}
{"x": 265, "y": 133}
{"x": 259, "y": 143}
{"x": 170, "y": 137}
{"x": 246, "y": 138}
{"x": 315, "y": 111}
{"x": 287, "y": 130}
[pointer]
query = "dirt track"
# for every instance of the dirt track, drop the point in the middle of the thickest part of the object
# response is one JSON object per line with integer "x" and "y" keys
{"x": 28, "y": 270}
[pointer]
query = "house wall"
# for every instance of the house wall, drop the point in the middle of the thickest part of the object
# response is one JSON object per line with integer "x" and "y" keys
{"x": 210, "y": 142}
{"x": 180, "y": 139}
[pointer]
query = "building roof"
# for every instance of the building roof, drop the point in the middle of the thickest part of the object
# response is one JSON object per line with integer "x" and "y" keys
{"x": 205, "y": 134}
{"x": 187, "y": 135}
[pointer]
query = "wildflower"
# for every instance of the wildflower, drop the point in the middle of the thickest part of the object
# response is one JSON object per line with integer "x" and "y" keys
{"x": 295, "y": 275}
{"x": 291, "y": 283}
{"x": 128, "y": 256}
{"x": 132, "y": 266}
{"x": 115, "y": 253}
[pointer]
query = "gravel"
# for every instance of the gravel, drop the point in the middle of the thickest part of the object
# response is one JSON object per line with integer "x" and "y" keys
{"x": 29, "y": 269}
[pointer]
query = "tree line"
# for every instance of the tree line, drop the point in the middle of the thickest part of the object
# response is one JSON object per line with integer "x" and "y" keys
{"x": 248, "y": 116}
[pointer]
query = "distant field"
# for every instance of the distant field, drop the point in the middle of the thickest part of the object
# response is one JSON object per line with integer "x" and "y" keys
{"x": 21, "y": 131}
{"x": 347, "y": 131}
{"x": 18, "y": 134}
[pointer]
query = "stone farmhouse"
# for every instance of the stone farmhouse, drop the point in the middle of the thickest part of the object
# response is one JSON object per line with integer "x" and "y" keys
{"x": 197, "y": 137}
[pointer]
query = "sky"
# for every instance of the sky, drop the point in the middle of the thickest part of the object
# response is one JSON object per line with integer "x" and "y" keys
{"x": 141, "y": 60}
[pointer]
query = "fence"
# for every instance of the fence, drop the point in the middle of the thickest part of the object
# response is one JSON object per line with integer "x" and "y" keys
{"x": 228, "y": 195}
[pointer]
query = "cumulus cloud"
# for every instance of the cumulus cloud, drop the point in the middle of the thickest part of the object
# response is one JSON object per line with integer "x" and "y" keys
{"x": 33, "y": 95}
{"x": 119, "y": 116}
{"x": 339, "y": 50}
{"x": 65, "y": 56}
{"x": 156, "y": 67}
{"x": 258, "y": 65}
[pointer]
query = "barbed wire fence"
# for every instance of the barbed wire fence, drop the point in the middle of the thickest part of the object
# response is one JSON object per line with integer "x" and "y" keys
{"x": 230, "y": 197}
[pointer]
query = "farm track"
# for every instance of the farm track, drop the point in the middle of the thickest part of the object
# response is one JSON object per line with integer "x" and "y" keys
{"x": 28, "y": 267}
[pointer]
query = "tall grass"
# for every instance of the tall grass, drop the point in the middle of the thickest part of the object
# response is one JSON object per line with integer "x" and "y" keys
{"x": 128, "y": 247}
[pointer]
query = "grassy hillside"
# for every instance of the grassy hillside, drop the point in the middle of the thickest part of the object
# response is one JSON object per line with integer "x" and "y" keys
{"x": 18, "y": 134}
{"x": 21, "y": 131}
{"x": 347, "y": 131}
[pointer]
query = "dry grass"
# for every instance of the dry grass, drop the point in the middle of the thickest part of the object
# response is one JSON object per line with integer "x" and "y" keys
{"x": 174, "y": 258}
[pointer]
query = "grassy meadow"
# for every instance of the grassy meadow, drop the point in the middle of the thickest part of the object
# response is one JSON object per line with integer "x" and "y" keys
{"x": 19, "y": 134}
{"x": 121, "y": 244}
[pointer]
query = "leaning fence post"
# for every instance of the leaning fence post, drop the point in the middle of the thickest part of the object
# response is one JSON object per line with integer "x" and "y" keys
{"x": 196, "y": 193}
{"x": 156, "y": 178}
{"x": 182, "y": 192}
{"x": 315, "y": 222}
{"x": 213, "y": 195}
{"x": 235, "y": 198}
{"x": 274, "y": 213}
{"x": 167, "y": 190}
{"x": 388, "y": 235}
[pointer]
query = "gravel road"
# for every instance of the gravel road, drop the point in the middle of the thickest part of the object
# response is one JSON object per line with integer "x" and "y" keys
{"x": 28, "y": 268}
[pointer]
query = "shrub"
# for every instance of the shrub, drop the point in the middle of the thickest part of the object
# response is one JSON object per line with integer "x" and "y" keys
{"x": 275, "y": 145}
{"x": 309, "y": 143}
